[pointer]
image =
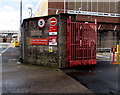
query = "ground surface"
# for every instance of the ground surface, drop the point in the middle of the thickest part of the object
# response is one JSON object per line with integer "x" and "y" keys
{"x": 19, "y": 78}
{"x": 102, "y": 78}
{"x": 4, "y": 47}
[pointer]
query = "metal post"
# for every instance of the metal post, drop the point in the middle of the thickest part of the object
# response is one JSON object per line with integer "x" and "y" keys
{"x": 91, "y": 10}
{"x": 74, "y": 4}
{"x": 109, "y": 6}
{"x": 97, "y": 5}
{"x": 115, "y": 7}
{"x": 20, "y": 12}
{"x": 113, "y": 62}
{"x": 110, "y": 55}
{"x": 30, "y": 11}
{"x": 113, "y": 56}
{"x": 87, "y": 6}
{"x": 64, "y": 6}
{"x": 81, "y": 5}
{"x": 68, "y": 4}
{"x": 20, "y": 31}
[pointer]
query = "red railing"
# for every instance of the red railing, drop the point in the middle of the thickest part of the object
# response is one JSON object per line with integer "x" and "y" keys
{"x": 81, "y": 43}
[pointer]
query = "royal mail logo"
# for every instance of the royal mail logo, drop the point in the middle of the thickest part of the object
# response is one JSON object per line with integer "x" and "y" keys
{"x": 53, "y": 40}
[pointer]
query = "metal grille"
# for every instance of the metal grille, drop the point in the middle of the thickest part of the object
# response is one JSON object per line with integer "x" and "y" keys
{"x": 81, "y": 43}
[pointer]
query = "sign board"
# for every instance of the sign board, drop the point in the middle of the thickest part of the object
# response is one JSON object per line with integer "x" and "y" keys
{"x": 53, "y": 30}
{"x": 41, "y": 22}
{"x": 53, "y": 21}
{"x": 50, "y": 49}
{"x": 93, "y": 13}
{"x": 53, "y": 40}
{"x": 39, "y": 41}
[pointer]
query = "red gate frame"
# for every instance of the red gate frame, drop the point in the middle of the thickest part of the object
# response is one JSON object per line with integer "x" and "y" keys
{"x": 71, "y": 55}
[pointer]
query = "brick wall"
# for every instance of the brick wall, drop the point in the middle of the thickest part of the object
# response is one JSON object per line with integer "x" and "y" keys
{"x": 39, "y": 54}
{"x": 106, "y": 7}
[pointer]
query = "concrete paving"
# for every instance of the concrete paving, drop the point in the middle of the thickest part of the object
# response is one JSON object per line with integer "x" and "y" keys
{"x": 4, "y": 47}
{"x": 21, "y": 78}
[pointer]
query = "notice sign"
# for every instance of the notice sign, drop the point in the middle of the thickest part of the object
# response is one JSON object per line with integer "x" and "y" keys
{"x": 39, "y": 41}
{"x": 41, "y": 23}
{"x": 53, "y": 40}
{"x": 53, "y": 21}
{"x": 53, "y": 30}
{"x": 50, "y": 49}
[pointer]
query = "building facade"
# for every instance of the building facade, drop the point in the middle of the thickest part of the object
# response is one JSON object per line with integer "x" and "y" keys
{"x": 105, "y": 12}
{"x": 49, "y": 7}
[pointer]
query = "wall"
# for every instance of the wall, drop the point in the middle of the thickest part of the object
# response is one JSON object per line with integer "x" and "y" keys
{"x": 107, "y": 7}
{"x": 107, "y": 39}
{"x": 39, "y": 54}
{"x": 62, "y": 40}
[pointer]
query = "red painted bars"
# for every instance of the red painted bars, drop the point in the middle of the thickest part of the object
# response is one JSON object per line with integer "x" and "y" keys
{"x": 81, "y": 43}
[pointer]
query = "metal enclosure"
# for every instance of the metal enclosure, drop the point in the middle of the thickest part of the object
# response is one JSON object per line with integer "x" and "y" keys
{"x": 61, "y": 43}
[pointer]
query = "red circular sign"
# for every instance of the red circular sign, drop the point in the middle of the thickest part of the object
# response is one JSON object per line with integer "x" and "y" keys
{"x": 41, "y": 22}
{"x": 53, "y": 21}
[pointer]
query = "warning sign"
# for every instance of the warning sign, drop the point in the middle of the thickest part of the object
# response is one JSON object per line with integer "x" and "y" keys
{"x": 50, "y": 49}
{"x": 53, "y": 30}
{"x": 53, "y": 40}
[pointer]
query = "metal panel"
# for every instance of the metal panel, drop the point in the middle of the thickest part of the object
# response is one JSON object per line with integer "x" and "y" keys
{"x": 81, "y": 43}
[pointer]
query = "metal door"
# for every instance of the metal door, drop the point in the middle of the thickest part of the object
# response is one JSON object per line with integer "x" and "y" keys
{"x": 81, "y": 43}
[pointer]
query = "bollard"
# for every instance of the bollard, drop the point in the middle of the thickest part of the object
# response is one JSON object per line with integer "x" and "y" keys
{"x": 113, "y": 56}
{"x": 16, "y": 43}
{"x": 118, "y": 55}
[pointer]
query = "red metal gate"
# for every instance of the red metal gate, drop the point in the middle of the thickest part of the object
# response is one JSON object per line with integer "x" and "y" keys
{"x": 81, "y": 43}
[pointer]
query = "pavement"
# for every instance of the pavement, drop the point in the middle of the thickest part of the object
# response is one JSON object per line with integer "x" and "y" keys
{"x": 21, "y": 78}
{"x": 4, "y": 47}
